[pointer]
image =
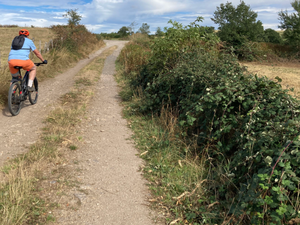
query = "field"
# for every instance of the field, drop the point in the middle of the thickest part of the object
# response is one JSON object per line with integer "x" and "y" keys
{"x": 8, "y": 33}
{"x": 288, "y": 72}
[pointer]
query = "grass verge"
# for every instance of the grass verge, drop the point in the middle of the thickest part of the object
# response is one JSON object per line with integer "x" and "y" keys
{"x": 176, "y": 175}
{"x": 31, "y": 183}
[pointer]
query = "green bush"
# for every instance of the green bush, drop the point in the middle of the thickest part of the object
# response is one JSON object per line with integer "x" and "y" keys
{"x": 273, "y": 37}
{"x": 178, "y": 40}
{"x": 248, "y": 127}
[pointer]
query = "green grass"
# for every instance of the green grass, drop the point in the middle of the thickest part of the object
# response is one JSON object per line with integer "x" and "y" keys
{"x": 73, "y": 147}
{"x": 175, "y": 176}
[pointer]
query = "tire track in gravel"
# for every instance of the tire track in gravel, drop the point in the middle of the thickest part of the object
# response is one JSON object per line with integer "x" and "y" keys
{"x": 114, "y": 191}
{"x": 19, "y": 132}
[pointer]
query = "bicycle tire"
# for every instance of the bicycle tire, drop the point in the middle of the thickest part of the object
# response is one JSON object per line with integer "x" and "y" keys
{"x": 33, "y": 96}
{"x": 14, "y": 98}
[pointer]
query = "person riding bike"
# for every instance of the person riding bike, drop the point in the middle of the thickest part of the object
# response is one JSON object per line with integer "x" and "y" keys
{"x": 20, "y": 57}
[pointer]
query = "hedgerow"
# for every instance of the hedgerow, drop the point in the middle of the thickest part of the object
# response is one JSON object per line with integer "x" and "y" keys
{"x": 246, "y": 126}
{"x": 74, "y": 38}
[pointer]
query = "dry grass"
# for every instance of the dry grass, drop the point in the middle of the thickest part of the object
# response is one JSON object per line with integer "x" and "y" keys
{"x": 27, "y": 195}
{"x": 288, "y": 73}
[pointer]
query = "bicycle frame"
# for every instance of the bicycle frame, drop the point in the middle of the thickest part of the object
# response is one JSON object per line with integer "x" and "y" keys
{"x": 24, "y": 82}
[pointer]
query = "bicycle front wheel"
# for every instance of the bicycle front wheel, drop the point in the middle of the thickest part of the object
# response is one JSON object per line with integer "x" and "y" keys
{"x": 14, "y": 98}
{"x": 33, "y": 96}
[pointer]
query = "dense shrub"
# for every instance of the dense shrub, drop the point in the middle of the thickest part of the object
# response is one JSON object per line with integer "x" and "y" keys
{"x": 178, "y": 40}
{"x": 241, "y": 119}
{"x": 273, "y": 37}
{"x": 73, "y": 37}
{"x": 247, "y": 126}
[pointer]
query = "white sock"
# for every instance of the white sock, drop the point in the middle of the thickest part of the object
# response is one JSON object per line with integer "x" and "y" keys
{"x": 30, "y": 83}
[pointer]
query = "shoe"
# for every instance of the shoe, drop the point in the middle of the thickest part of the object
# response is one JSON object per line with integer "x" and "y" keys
{"x": 30, "y": 89}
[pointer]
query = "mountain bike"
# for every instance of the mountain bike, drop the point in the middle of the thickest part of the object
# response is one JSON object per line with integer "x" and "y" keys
{"x": 18, "y": 92}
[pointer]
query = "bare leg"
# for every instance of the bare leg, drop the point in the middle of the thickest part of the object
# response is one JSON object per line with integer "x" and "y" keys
{"x": 32, "y": 73}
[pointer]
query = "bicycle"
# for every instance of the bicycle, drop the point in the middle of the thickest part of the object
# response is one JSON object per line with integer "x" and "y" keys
{"x": 18, "y": 92}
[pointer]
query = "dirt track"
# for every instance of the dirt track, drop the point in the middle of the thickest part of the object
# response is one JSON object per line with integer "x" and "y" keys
{"x": 18, "y": 132}
{"x": 108, "y": 160}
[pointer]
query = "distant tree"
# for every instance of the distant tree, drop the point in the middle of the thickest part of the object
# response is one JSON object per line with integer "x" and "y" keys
{"x": 73, "y": 16}
{"x": 272, "y": 36}
{"x": 124, "y": 31}
{"x": 238, "y": 24}
{"x": 132, "y": 26}
{"x": 291, "y": 24}
{"x": 144, "y": 29}
{"x": 159, "y": 32}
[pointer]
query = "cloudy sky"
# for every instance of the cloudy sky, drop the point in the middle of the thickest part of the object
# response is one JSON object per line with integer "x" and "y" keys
{"x": 110, "y": 15}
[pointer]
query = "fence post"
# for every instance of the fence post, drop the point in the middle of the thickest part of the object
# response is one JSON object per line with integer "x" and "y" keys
{"x": 40, "y": 46}
{"x": 45, "y": 48}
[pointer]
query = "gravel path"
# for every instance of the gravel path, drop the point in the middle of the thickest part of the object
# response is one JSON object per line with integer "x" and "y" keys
{"x": 18, "y": 132}
{"x": 115, "y": 192}
{"x": 112, "y": 189}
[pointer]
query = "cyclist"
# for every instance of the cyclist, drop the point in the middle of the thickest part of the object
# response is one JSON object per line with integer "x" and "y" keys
{"x": 20, "y": 58}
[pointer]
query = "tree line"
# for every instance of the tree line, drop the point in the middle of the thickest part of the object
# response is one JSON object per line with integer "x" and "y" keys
{"x": 237, "y": 25}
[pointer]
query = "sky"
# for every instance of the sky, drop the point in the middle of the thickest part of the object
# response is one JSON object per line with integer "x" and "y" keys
{"x": 106, "y": 16}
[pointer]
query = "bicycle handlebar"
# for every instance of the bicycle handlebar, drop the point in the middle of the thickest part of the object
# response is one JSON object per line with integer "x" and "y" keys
{"x": 38, "y": 64}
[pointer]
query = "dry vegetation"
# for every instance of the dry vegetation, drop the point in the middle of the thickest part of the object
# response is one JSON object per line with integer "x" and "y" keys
{"x": 32, "y": 185}
{"x": 288, "y": 72}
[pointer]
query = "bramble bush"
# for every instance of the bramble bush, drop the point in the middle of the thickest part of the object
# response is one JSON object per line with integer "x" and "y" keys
{"x": 247, "y": 126}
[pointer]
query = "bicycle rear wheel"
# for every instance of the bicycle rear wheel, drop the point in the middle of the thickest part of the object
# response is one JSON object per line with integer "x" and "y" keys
{"x": 14, "y": 98}
{"x": 33, "y": 96}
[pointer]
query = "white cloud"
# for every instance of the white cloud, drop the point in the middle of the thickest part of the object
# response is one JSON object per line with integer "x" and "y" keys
{"x": 111, "y": 15}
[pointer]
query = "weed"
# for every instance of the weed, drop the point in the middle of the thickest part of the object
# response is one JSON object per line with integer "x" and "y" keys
{"x": 73, "y": 147}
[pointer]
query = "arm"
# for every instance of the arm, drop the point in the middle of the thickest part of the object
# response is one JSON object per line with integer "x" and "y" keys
{"x": 39, "y": 55}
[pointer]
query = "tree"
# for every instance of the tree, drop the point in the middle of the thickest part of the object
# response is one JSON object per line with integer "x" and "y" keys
{"x": 272, "y": 36}
{"x": 159, "y": 32}
{"x": 238, "y": 25}
{"x": 73, "y": 16}
{"x": 132, "y": 27}
{"x": 144, "y": 29}
{"x": 291, "y": 24}
{"x": 124, "y": 31}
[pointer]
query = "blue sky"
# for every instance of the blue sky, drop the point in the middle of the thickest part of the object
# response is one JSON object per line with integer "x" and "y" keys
{"x": 110, "y": 15}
